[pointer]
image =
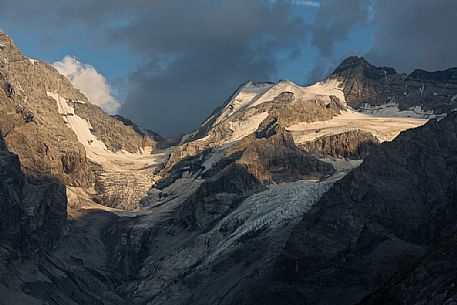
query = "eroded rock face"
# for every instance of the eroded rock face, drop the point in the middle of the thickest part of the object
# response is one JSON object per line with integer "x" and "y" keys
{"x": 144, "y": 131}
{"x": 29, "y": 120}
{"x": 290, "y": 110}
{"x": 374, "y": 223}
{"x": 34, "y": 129}
{"x": 272, "y": 156}
{"x": 354, "y": 144}
{"x": 366, "y": 86}
{"x": 42, "y": 154}
{"x": 219, "y": 195}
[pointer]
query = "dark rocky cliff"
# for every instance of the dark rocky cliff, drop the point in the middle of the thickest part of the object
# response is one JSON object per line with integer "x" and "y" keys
{"x": 33, "y": 210}
{"x": 394, "y": 214}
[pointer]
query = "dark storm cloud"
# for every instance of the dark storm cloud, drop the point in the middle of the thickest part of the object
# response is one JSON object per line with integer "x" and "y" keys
{"x": 407, "y": 34}
{"x": 198, "y": 53}
{"x": 195, "y": 53}
{"x": 334, "y": 22}
{"x": 415, "y": 34}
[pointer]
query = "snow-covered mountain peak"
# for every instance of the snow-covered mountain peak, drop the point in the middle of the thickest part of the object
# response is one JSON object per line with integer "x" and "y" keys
{"x": 328, "y": 88}
{"x": 254, "y": 101}
{"x": 243, "y": 98}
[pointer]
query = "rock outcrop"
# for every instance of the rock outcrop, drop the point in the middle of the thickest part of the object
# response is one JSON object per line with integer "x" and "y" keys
{"x": 33, "y": 210}
{"x": 143, "y": 131}
{"x": 355, "y": 144}
{"x": 372, "y": 88}
{"x": 271, "y": 155}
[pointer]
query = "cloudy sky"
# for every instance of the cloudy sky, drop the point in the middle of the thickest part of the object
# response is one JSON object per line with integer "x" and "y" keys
{"x": 167, "y": 64}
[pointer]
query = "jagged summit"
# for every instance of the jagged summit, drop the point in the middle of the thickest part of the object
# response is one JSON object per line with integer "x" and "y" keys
{"x": 355, "y": 82}
{"x": 359, "y": 66}
{"x": 384, "y": 91}
{"x": 448, "y": 75}
{"x": 354, "y": 65}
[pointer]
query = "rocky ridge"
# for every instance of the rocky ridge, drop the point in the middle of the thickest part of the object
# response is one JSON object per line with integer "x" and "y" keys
{"x": 56, "y": 131}
{"x": 382, "y": 90}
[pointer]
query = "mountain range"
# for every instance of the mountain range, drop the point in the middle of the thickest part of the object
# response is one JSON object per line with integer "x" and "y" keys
{"x": 342, "y": 192}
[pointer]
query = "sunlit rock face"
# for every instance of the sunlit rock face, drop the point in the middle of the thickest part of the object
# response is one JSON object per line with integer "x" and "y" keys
{"x": 56, "y": 131}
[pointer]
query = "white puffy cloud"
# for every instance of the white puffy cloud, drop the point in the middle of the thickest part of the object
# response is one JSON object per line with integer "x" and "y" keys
{"x": 91, "y": 83}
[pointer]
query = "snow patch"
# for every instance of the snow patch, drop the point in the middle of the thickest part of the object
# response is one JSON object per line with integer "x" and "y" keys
{"x": 214, "y": 156}
{"x": 328, "y": 87}
{"x": 80, "y": 127}
{"x": 96, "y": 150}
{"x": 247, "y": 126}
{"x": 384, "y": 128}
{"x": 244, "y": 98}
{"x": 391, "y": 109}
{"x": 185, "y": 137}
